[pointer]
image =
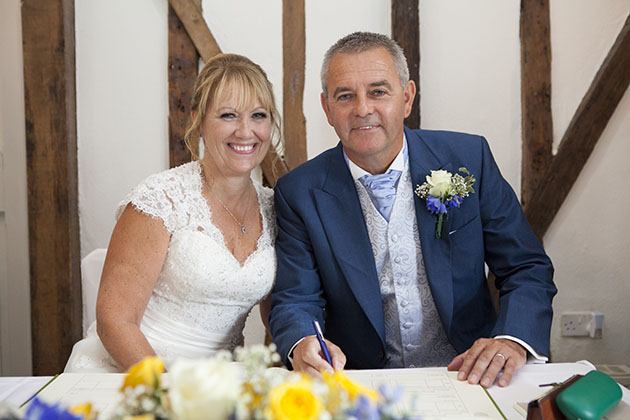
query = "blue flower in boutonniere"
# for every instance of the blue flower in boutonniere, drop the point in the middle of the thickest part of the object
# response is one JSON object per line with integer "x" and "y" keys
{"x": 443, "y": 191}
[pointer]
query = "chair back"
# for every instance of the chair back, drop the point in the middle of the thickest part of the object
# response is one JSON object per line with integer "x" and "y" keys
{"x": 91, "y": 269}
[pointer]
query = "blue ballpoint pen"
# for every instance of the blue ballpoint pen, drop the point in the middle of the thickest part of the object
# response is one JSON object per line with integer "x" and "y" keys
{"x": 322, "y": 343}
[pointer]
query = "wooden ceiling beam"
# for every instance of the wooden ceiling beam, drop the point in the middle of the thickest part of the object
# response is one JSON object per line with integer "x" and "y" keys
{"x": 585, "y": 129}
{"x": 189, "y": 13}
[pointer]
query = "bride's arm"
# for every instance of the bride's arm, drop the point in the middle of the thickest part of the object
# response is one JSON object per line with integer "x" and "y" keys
{"x": 134, "y": 260}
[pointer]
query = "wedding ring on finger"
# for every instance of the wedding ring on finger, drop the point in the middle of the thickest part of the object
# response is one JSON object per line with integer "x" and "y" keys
{"x": 501, "y": 356}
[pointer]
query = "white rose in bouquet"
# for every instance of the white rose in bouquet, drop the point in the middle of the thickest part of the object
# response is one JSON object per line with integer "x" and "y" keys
{"x": 204, "y": 389}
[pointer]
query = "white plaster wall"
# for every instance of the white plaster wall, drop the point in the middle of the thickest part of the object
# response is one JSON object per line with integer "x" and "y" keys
{"x": 256, "y": 34}
{"x": 15, "y": 318}
{"x": 582, "y": 32}
{"x": 470, "y": 81}
{"x": 470, "y": 74}
{"x": 590, "y": 236}
{"x": 589, "y": 242}
{"x": 326, "y": 22}
{"x": 122, "y": 108}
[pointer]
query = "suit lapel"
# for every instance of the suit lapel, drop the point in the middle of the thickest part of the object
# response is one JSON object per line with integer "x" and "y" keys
{"x": 342, "y": 218}
{"x": 436, "y": 252}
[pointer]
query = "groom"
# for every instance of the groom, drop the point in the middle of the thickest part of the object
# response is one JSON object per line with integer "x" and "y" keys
{"x": 358, "y": 250}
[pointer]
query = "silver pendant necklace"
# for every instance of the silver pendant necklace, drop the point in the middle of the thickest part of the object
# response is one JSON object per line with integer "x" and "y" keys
{"x": 233, "y": 217}
{"x": 243, "y": 230}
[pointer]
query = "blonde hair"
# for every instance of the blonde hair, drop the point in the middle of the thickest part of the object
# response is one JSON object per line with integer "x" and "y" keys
{"x": 247, "y": 81}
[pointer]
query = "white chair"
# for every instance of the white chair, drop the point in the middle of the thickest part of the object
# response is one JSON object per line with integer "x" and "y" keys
{"x": 91, "y": 269}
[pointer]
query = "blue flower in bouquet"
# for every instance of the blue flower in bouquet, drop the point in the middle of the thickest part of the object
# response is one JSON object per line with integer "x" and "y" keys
{"x": 364, "y": 409}
{"x": 443, "y": 191}
{"x": 39, "y": 410}
{"x": 391, "y": 394}
{"x": 389, "y": 408}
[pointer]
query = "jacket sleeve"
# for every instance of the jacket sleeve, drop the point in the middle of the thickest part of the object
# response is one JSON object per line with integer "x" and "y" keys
{"x": 524, "y": 273}
{"x": 297, "y": 296}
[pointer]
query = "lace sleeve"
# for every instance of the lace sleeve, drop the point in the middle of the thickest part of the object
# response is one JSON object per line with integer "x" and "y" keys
{"x": 159, "y": 196}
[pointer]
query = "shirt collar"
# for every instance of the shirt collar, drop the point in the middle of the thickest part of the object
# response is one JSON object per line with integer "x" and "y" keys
{"x": 399, "y": 163}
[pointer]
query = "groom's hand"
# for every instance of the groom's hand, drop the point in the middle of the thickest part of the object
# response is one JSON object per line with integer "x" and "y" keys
{"x": 308, "y": 357}
{"x": 486, "y": 358}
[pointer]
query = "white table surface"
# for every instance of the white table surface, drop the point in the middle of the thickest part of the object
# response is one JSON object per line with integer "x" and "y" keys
{"x": 16, "y": 390}
{"x": 525, "y": 384}
{"x": 524, "y": 387}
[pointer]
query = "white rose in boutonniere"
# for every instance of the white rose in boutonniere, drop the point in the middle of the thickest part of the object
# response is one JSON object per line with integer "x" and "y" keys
{"x": 440, "y": 182}
{"x": 443, "y": 191}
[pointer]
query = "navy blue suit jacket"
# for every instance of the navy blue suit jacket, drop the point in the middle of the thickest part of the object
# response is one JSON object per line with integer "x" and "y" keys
{"x": 326, "y": 268}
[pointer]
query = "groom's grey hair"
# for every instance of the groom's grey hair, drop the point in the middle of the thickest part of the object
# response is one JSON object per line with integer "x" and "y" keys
{"x": 359, "y": 42}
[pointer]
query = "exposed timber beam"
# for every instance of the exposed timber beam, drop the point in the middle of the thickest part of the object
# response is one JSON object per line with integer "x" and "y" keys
{"x": 588, "y": 123}
{"x": 293, "y": 54}
{"x": 406, "y": 31}
{"x": 537, "y": 122}
{"x": 183, "y": 64}
{"x": 51, "y": 148}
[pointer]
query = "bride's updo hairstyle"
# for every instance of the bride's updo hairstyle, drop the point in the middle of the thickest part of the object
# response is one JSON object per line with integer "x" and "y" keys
{"x": 245, "y": 80}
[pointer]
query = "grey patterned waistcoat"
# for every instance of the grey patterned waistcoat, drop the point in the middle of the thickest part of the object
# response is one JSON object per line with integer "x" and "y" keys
{"x": 414, "y": 335}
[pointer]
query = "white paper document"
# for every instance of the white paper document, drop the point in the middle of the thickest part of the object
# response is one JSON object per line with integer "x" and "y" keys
{"x": 429, "y": 393}
{"x": 101, "y": 390}
{"x": 432, "y": 393}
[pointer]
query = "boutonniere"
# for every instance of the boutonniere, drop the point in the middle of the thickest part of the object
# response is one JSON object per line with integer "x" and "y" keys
{"x": 443, "y": 191}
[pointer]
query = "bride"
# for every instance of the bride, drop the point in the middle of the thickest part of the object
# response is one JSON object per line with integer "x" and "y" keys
{"x": 193, "y": 249}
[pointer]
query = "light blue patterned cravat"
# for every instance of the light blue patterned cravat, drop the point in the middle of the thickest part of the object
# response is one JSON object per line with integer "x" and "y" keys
{"x": 382, "y": 190}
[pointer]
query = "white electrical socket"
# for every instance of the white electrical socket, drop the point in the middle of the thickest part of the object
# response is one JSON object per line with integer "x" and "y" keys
{"x": 582, "y": 324}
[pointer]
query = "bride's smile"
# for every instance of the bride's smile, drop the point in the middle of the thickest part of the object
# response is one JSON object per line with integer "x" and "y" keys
{"x": 236, "y": 136}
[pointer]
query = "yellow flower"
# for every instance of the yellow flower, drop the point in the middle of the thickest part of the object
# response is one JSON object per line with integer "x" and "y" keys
{"x": 338, "y": 380}
{"x": 256, "y": 398}
{"x": 84, "y": 410}
{"x": 147, "y": 372}
{"x": 294, "y": 401}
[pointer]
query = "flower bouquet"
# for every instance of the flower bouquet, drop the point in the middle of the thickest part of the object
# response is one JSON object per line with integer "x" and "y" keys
{"x": 220, "y": 389}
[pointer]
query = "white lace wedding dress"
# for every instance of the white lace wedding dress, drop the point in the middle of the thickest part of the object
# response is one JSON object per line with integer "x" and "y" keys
{"x": 203, "y": 295}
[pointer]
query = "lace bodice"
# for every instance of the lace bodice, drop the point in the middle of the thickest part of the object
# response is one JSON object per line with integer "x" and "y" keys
{"x": 202, "y": 285}
{"x": 203, "y": 295}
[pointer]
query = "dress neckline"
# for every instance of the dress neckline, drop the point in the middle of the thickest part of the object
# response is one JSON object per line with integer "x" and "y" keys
{"x": 218, "y": 233}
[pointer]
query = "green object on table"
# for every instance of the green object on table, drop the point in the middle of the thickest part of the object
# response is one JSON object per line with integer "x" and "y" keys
{"x": 590, "y": 397}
